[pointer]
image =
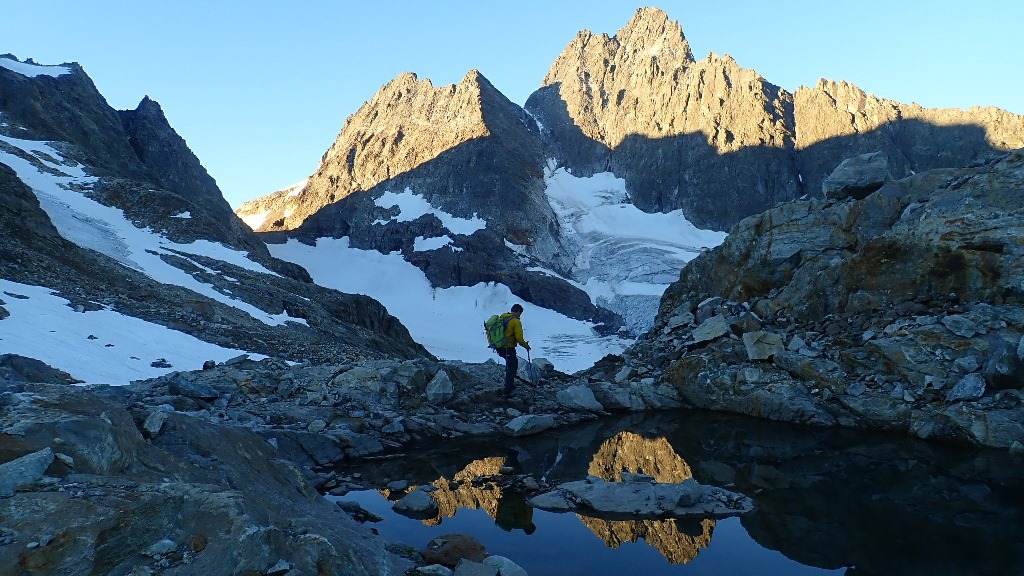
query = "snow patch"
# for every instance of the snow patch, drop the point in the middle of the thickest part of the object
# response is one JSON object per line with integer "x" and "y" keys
{"x": 411, "y": 206}
{"x": 106, "y": 230}
{"x": 422, "y": 244}
{"x": 33, "y": 70}
{"x": 254, "y": 221}
{"x": 97, "y": 347}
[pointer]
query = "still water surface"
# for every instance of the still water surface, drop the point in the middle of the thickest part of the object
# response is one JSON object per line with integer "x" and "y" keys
{"x": 829, "y": 501}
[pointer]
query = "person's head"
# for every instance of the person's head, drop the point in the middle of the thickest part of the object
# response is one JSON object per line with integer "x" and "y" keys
{"x": 517, "y": 310}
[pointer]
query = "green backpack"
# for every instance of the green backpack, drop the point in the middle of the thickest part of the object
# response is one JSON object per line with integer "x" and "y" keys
{"x": 495, "y": 329}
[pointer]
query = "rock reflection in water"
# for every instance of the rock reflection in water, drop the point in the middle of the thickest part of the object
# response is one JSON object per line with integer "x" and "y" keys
{"x": 826, "y": 498}
{"x": 678, "y": 541}
{"x": 456, "y": 492}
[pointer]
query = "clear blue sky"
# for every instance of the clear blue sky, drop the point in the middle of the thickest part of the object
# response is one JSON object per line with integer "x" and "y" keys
{"x": 259, "y": 89}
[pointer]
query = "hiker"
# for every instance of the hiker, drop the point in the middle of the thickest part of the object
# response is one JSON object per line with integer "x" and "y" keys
{"x": 513, "y": 336}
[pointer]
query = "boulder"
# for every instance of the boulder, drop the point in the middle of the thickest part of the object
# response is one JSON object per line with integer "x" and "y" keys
{"x": 471, "y": 568}
{"x": 599, "y": 498}
{"x": 440, "y": 389}
{"x": 857, "y": 177}
{"x": 505, "y": 566}
{"x": 449, "y": 549}
{"x": 710, "y": 329}
{"x": 22, "y": 369}
{"x": 762, "y": 345}
{"x": 27, "y": 469}
{"x": 578, "y": 397}
{"x": 417, "y": 504}
{"x": 529, "y": 424}
{"x": 151, "y": 426}
{"x": 183, "y": 386}
{"x": 970, "y": 387}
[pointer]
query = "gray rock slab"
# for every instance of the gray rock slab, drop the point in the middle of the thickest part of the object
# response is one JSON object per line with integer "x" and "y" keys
{"x": 970, "y": 387}
{"x": 578, "y": 397}
{"x": 857, "y": 177}
{"x": 711, "y": 329}
{"x": 603, "y": 499}
{"x": 470, "y": 568}
{"x": 440, "y": 389}
{"x": 25, "y": 470}
{"x": 505, "y": 566}
{"x": 154, "y": 422}
{"x": 762, "y": 345}
{"x": 529, "y": 424}
{"x": 184, "y": 387}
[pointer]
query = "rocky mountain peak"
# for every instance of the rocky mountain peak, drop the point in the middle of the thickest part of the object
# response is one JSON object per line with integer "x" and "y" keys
{"x": 407, "y": 123}
{"x": 651, "y": 32}
{"x": 630, "y": 84}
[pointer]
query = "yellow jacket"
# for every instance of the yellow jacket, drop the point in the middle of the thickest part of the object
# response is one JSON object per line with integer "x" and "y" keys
{"x": 514, "y": 332}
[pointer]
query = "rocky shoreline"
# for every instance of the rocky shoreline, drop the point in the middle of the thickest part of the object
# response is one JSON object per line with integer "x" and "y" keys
{"x": 893, "y": 311}
{"x": 220, "y": 471}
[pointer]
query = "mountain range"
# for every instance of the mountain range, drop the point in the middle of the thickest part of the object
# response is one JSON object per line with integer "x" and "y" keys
{"x": 444, "y": 203}
{"x": 706, "y": 141}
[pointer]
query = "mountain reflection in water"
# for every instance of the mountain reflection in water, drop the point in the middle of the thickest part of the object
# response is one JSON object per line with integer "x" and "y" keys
{"x": 826, "y": 499}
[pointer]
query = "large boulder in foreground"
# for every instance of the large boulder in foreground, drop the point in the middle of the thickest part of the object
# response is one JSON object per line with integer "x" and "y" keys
{"x": 195, "y": 497}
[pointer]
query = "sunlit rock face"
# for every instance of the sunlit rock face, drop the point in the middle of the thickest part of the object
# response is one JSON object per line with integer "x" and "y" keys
{"x": 406, "y": 123}
{"x": 679, "y": 541}
{"x": 836, "y": 120}
{"x": 671, "y": 126}
{"x": 720, "y": 141}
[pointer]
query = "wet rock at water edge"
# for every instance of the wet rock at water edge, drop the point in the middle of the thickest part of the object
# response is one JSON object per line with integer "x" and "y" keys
{"x": 416, "y": 504}
{"x": 529, "y": 424}
{"x": 642, "y": 499}
{"x": 471, "y": 568}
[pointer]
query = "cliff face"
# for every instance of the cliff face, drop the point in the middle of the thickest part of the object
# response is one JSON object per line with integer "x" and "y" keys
{"x": 721, "y": 142}
{"x": 410, "y": 124}
{"x": 679, "y": 131}
{"x": 838, "y": 120}
{"x": 407, "y": 123}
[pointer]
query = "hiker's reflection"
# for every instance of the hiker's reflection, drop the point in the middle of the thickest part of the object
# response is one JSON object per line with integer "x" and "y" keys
{"x": 513, "y": 512}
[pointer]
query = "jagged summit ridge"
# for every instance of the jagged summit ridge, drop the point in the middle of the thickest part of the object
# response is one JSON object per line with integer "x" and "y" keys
{"x": 407, "y": 123}
{"x": 612, "y": 86}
